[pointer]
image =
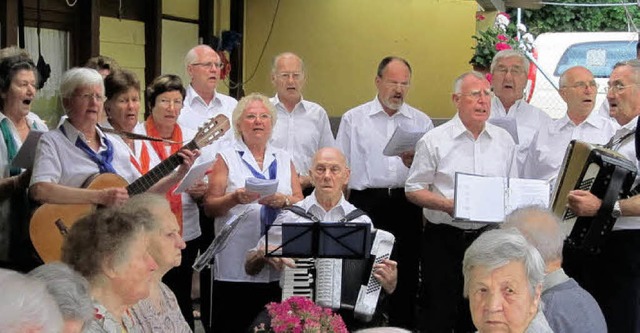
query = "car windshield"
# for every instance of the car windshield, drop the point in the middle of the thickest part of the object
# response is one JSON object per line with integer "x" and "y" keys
{"x": 598, "y": 57}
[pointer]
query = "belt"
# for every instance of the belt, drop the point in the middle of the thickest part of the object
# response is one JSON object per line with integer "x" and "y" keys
{"x": 467, "y": 234}
{"x": 382, "y": 191}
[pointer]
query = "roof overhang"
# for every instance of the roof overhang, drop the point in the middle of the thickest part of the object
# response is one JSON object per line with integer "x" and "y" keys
{"x": 502, "y": 5}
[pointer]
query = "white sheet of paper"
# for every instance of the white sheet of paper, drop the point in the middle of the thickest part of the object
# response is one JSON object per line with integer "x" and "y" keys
{"x": 402, "y": 140}
{"x": 528, "y": 192}
{"x": 479, "y": 198}
{"x": 27, "y": 153}
{"x": 265, "y": 187}
{"x": 197, "y": 172}
{"x": 507, "y": 123}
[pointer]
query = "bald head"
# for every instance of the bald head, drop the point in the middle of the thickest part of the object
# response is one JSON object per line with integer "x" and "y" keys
{"x": 541, "y": 228}
{"x": 578, "y": 89}
{"x": 329, "y": 174}
{"x": 329, "y": 153}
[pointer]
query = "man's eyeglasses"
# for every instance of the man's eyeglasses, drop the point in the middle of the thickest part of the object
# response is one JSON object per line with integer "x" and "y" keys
{"x": 208, "y": 65}
{"x": 583, "y": 85}
{"x": 393, "y": 84}
{"x": 513, "y": 70}
{"x": 618, "y": 87}
{"x": 296, "y": 76}
{"x": 477, "y": 94}
{"x": 89, "y": 97}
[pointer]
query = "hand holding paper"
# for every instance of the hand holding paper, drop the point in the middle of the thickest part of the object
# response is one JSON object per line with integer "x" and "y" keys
{"x": 264, "y": 187}
{"x": 402, "y": 140}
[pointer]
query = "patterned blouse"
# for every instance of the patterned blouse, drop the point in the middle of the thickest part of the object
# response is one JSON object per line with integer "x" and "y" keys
{"x": 105, "y": 322}
{"x": 168, "y": 319}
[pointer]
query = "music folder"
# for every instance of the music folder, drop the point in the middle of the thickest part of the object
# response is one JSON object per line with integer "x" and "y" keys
{"x": 322, "y": 240}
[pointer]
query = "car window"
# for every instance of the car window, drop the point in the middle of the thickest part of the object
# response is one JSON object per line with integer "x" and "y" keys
{"x": 598, "y": 57}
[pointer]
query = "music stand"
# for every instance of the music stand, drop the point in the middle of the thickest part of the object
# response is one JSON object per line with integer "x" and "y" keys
{"x": 322, "y": 240}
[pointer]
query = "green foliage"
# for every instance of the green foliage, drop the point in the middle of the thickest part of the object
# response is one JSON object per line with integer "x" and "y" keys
{"x": 572, "y": 19}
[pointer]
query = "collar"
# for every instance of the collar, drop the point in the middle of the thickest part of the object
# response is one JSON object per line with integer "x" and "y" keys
{"x": 312, "y": 202}
{"x": 631, "y": 126}
{"x": 498, "y": 109}
{"x": 73, "y": 134}
{"x": 594, "y": 119}
{"x": 192, "y": 97}
{"x": 554, "y": 278}
{"x": 376, "y": 108}
{"x": 28, "y": 117}
{"x": 269, "y": 155}
{"x": 459, "y": 129}
{"x": 280, "y": 106}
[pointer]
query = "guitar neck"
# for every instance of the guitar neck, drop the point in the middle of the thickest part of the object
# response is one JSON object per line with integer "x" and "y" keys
{"x": 158, "y": 172}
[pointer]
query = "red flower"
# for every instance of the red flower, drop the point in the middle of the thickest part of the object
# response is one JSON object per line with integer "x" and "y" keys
{"x": 502, "y": 38}
{"x": 488, "y": 76}
{"x": 503, "y": 46}
{"x": 480, "y": 17}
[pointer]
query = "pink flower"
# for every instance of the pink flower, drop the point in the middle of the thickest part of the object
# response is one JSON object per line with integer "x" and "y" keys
{"x": 502, "y": 46}
{"x": 480, "y": 17}
{"x": 505, "y": 14}
{"x": 502, "y": 38}
{"x": 488, "y": 76}
{"x": 300, "y": 314}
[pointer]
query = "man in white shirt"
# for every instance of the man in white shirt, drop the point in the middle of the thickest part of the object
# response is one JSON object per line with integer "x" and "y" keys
{"x": 303, "y": 126}
{"x": 377, "y": 181}
{"x": 201, "y": 103}
{"x": 509, "y": 70}
{"x": 467, "y": 143}
{"x": 614, "y": 273}
{"x": 578, "y": 89}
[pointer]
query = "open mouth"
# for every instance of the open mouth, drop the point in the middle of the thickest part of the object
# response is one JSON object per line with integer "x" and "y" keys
{"x": 26, "y": 102}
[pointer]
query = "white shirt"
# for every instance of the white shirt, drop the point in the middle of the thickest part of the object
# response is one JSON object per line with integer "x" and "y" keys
{"x": 59, "y": 161}
{"x": 451, "y": 148}
{"x": 229, "y": 263}
{"x": 529, "y": 120}
{"x": 34, "y": 122}
{"x": 548, "y": 147}
{"x": 301, "y": 132}
{"x": 364, "y": 132}
{"x": 196, "y": 112}
{"x": 628, "y": 149}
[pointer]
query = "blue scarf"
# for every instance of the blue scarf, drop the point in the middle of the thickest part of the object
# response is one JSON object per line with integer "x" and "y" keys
{"x": 103, "y": 159}
{"x": 268, "y": 214}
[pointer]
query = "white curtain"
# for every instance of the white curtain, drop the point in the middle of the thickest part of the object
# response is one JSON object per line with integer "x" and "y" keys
{"x": 55, "y": 51}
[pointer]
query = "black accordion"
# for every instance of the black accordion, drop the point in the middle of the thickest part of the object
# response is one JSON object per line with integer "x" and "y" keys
{"x": 606, "y": 174}
{"x": 340, "y": 283}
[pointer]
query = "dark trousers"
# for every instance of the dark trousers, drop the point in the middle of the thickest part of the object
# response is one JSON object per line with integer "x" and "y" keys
{"x": 612, "y": 277}
{"x": 391, "y": 211}
{"x": 208, "y": 234}
{"x": 179, "y": 280}
{"x": 445, "y": 309}
{"x": 237, "y": 304}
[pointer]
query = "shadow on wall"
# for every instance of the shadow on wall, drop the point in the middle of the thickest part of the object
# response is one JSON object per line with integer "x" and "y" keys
{"x": 335, "y": 123}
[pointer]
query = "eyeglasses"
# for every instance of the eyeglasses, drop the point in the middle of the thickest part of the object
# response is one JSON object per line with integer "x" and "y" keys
{"x": 618, "y": 87}
{"x": 89, "y": 97}
{"x": 168, "y": 103}
{"x": 516, "y": 70}
{"x": 262, "y": 116}
{"x": 296, "y": 76}
{"x": 477, "y": 94}
{"x": 393, "y": 84}
{"x": 583, "y": 85}
{"x": 321, "y": 170}
{"x": 208, "y": 65}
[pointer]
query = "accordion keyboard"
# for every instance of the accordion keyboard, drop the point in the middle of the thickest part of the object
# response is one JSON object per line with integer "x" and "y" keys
{"x": 299, "y": 281}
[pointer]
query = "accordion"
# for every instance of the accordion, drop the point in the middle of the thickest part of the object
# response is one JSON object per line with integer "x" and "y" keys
{"x": 340, "y": 283}
{"x": 606, "y": 174}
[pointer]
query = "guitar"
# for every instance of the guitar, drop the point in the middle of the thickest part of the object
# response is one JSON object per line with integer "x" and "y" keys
{"x": 51, "y": 222}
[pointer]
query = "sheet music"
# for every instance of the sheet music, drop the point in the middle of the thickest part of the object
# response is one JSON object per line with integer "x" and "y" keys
{"x": 528, "y": 192}
{"x": 27, "y": 153}
{"x": 402, "y": 140}
{"x": 265, "y": 187}
{"x": 195, "y": 173}
{"x": 507, "y": 123}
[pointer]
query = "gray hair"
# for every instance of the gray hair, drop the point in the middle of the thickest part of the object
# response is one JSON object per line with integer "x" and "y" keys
{"x": 541, "y": 228}
{"x": 68, "y": 288}
{"x": 274, "y": 63}
{"x": 78, "y": 77}
{"x": 192, "y": 55}
{"x": 26, "y": 304}
{"x": 242, "y": 105}
{"x": 457, "y": 83}
{"x": 509, "y": 54}
{"x": 635, "y": 66}
{"x": 496, "y": 248}
{"x": 146, "y": 203}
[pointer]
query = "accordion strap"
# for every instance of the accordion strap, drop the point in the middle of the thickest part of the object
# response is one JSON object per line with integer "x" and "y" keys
{"x": 301, "y": 212}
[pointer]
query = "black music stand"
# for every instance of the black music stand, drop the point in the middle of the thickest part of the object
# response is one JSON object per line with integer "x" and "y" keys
{"x": 322, "y": 240}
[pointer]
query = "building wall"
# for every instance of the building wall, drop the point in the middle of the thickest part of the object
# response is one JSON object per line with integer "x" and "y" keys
{"x": 342, "y": 42}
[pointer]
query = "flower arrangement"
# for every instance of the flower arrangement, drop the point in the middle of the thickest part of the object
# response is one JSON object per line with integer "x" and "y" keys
{"x": 300, "y": 315}
{"x": 501, "y": 36}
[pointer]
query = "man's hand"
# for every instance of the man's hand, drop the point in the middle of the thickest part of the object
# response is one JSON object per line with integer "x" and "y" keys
{"x": 279, "y": 263}
{"x": 583, "y": 203}
{"x": 387, "y": 274}
{"x": 197, "y": 190}
{"x": 115, "y": 196}
{"x": 407, "y": 157}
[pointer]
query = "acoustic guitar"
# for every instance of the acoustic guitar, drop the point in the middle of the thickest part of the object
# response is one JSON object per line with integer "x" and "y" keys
{"x": 51, "y": 222}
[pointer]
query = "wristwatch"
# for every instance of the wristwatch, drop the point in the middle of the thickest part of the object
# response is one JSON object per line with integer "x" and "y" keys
{"x": 615, "y": 213}
{"x": 287, "y": 203}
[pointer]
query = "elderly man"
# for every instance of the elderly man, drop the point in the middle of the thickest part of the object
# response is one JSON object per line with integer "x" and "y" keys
{"x": 329, "y": 174}
{"x": 545, "y": 155}
{"x": 567, "y": 306}
{"x": 467, "y": 143}
{"x": 509, "y": 70}
{"x": 377, "y": 181}
{"x": 303, "y": 126}
{"x": 616, "y": 269}
{"x": 503, "y": 277}
{"x": 201, "y": 103}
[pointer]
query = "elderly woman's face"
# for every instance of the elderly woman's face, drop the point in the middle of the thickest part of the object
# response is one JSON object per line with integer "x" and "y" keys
{"x": 167, "y": 108}
{"x": 85, "y": 105}
{"x": 255, "y": 123}
{"x": 166, "y": 243}
{"x": 21, "y": 92}
{"x": 123, "y": 109}
{"x": 132, "y": 278}
{"x": 500, "y": 299}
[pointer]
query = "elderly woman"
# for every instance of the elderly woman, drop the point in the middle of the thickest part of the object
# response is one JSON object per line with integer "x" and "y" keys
{"x": 18, "y": 82}
{"x": 164, "y": 97}
{"x": 503, "y": 280}
{"x": 238, "y": 294}
{"x": 110, "y": 249}
{"x": 70, "y": 291}
{"x": 159, "y": 313}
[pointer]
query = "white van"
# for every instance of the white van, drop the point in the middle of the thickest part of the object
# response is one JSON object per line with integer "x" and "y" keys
{"x": 559, "y": 51}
